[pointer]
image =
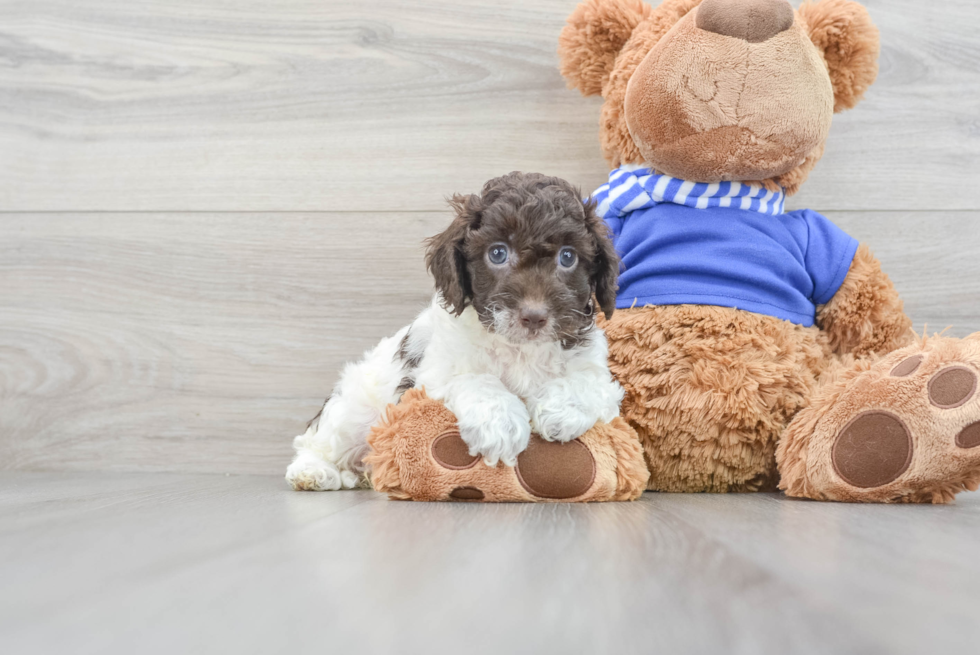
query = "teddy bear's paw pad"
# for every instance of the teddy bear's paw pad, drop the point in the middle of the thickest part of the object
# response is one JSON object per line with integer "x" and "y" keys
{"x": 466, "y": 493}
{"x": 557, "y": 471}
{"x": 907, "y": 367}
{"x": 875, "y": 448}
{"x": 969, "y": 437}
{"x": 451, "y": 452}
{"x": 952, "y": 387}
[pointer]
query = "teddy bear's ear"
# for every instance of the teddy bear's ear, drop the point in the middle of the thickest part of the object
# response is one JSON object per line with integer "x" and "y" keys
{"x": 843, "y": 32}
{"x": 597, "y": 30}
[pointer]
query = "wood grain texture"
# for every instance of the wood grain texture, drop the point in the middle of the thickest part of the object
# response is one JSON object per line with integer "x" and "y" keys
{"x": 164, "y": 563}
{"x": 341, "y": 105}
{"x": 190, "y": 341}
{"x": 204, "y": 342}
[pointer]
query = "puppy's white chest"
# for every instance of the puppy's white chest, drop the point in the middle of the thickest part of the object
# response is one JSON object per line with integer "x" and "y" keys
{"x": 524, "y": 370}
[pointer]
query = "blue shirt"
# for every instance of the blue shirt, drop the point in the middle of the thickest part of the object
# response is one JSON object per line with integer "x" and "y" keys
{"x": 767, "y": 262}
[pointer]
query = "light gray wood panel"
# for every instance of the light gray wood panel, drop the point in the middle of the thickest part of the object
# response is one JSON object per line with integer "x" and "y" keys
{"x": 389, "y": 105}
{"x": 307, "y": 104}
{"x": 204, "y": 342}
{"x": 931, "y": 258}
{"x": 190, "y": 341}
{"x": 169, "y": 563}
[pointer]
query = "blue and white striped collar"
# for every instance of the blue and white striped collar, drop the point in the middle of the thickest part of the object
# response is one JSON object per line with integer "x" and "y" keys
{"x": 633, "y": 187}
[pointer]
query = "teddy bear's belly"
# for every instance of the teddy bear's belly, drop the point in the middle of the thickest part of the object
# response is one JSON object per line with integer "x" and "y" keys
{"x": 710, "y": 389}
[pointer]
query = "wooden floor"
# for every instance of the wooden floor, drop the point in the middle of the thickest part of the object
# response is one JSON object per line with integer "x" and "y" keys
{"x": 178, "y": 563}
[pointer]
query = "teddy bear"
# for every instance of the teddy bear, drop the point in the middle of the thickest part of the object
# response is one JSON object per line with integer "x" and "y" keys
{"x": 758, "y": 348}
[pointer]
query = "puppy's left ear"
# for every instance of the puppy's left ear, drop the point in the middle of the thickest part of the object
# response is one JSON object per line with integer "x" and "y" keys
{"x": 605, "y": 272}
{"x": 849, "y": 42}
{"x": 445, "y": 255}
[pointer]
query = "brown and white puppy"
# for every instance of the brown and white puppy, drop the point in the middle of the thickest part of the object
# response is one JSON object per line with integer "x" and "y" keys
{"x": 509, "y": 342}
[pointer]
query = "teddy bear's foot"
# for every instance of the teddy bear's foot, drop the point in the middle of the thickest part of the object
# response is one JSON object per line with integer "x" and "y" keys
{"x": 418, "y": 454}
{"x": 905, "y": 428}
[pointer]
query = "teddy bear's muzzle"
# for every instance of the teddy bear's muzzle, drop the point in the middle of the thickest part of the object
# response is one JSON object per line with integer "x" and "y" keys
{"x": 709, "y": 102}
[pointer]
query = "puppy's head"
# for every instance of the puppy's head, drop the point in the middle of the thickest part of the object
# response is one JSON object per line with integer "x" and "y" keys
{"x": 529, "y": 256}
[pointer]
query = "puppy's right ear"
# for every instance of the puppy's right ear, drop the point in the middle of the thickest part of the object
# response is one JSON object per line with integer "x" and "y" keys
{"x": 445, "y": 254}
{"x": 596, "y": 32}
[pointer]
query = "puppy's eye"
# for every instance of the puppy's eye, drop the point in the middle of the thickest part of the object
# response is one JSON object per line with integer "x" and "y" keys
{"x": 497, "y": 254}
{"x": 567, "y": 258}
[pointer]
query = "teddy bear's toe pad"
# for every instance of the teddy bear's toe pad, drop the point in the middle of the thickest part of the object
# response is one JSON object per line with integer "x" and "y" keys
{"x": 907, "y": 367}
{"x": 451, "y": 452}
{"x": 466, "y": 493}
{"x": 952, "y": 387}
{"x": 969, "y": 437}
{"x": 547, "y": 469}
{"x": 875, "y": 448}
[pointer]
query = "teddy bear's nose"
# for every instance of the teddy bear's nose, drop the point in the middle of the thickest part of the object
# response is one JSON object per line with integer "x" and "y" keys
{"x": 754, "y": 21}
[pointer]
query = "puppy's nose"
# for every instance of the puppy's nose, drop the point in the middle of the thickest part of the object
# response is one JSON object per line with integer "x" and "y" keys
{"x": 754, "y": 21}
{"x": 533, "y": 318}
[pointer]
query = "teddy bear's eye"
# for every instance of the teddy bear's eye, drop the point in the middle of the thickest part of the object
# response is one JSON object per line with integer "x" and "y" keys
{"x": 497, "y": 254}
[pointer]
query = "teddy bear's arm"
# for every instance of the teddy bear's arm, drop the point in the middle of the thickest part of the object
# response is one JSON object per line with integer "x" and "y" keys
{"x": 866, "y": 314}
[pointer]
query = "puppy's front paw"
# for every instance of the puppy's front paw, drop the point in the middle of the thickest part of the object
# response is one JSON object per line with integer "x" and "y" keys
{"x": 498, "y": 429}
{"x": 558, "y": 414}
{"x": 561, "y": 423}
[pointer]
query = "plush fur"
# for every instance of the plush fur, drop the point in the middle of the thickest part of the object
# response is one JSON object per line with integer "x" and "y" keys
{"x": 723, "y": 399}
{"x": 509, "y": 346}
{"x": 709, "y": 390}
{"x": 866, "y": 315}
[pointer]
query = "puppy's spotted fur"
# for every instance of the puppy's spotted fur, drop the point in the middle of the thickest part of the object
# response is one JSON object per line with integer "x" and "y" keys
{"x": 509, "y": 342}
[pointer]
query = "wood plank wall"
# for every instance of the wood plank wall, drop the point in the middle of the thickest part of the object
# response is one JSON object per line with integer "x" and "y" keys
{"x": 206, "y": 207}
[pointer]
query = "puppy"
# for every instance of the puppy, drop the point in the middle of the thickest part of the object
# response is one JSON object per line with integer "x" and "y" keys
{"x": 509, "y": 343}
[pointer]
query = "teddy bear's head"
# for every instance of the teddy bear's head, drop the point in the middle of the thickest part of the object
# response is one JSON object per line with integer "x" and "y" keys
{"x": 720, "y": 90}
